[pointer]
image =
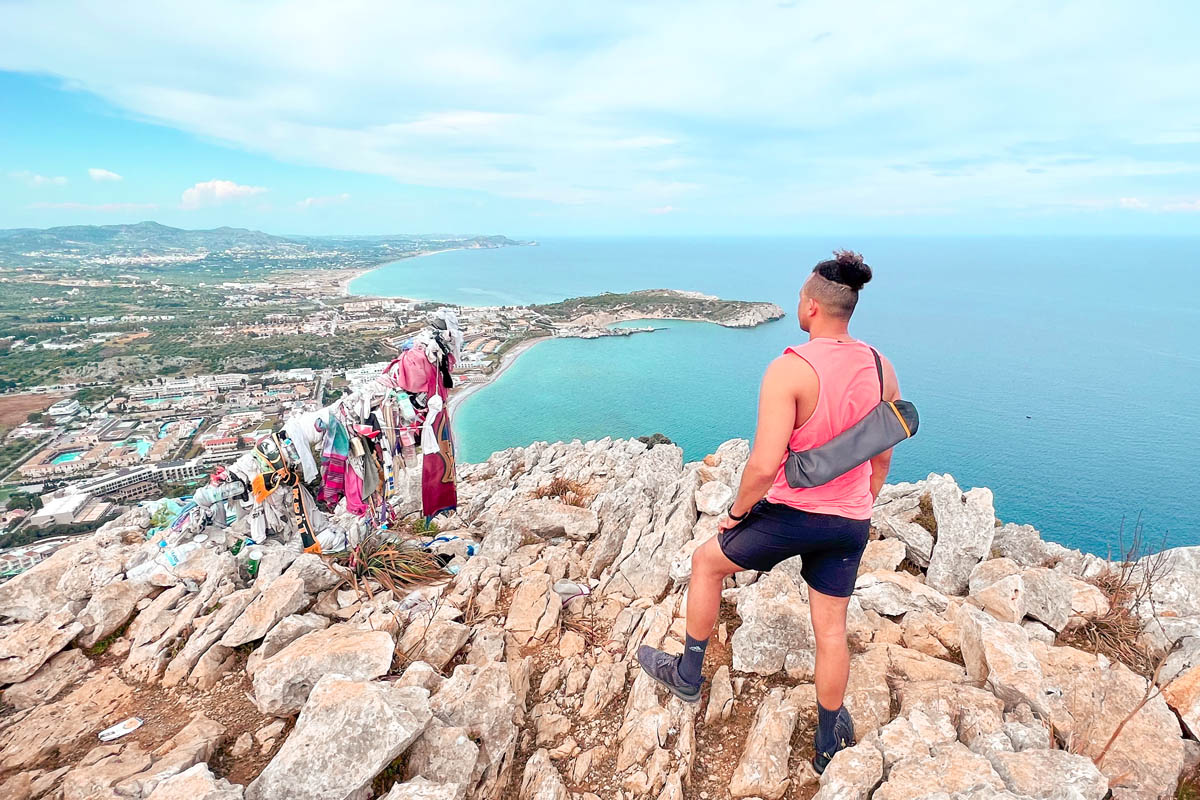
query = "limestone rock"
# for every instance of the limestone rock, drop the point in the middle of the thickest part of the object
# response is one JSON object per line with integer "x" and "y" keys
{"x": 205, "y": 637}
{"x": 972, "y": 711}
{"x": 481, "y": 700}
{"x": 966, "y": 523}
{"x": 421, "y": 789}
{"x": 360, "y": 726}
{"x": 314, "y": 573}
{"x": 853, "y": 773}
{"x": 950, "y": 768}
{"x": 109, "y": 608}
{"x": 103, "y": 768}
{"x": 895, "y": 593}
{"x": 882, "y": 554}
{"x": 445, "y": 755}
{"x": 196, "y": 783}
{"x": 34, "y": 594}
{"x": 720, "y": 697}
{"x": 439, "y": 642}
{"x": 541, "y": 780}
{"x": 986, "y": 573}
{"x": 1023, "y": 545}
{"x": 1087, "y": 601}
{"x": 604, "y": 685}
{"x": 1051, "y": 775}
{"x": 44, "y": 685}
{"x": 762, "y": 770}
{"x": 1183, "y": 695}
{"x": 776, "y": 630}
{"x": 25, "y": 647}
{"x": 1004, "y": 599}
{"x": 282, "y": 682}
{"x": 284, "y": 596}
{"x": 713, "y": 498}
{"x": 1048, "y": 597}
{"x": 288, "y": 630}
{"x": 534, "y": 611}
{"x": 999, "y": 654}
{"x": 195, "y": 744}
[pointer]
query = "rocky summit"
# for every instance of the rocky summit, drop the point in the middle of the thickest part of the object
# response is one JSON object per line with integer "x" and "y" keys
{"x": 979, "y": 667}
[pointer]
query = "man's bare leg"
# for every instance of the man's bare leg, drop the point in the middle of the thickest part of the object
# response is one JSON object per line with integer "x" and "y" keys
{"x": 835, "y": 729}
{"x": 682, "y": 674}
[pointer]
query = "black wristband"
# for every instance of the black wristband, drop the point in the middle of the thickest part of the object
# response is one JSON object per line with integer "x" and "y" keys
{"x": 735, "y": 517}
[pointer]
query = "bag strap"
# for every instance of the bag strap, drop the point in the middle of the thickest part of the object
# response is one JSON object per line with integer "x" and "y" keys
{"x": 879, "y": 370}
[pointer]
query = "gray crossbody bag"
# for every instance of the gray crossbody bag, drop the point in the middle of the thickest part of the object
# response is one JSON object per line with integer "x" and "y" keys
{"x": 884, "y": 426}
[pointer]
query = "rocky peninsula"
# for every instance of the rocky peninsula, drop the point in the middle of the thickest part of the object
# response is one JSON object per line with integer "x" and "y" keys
{"x": 985, "y": 660}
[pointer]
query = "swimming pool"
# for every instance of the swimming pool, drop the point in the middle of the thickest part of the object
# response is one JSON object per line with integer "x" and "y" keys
{"x": 64, "y": 458}
{"x": 142, "y": 445}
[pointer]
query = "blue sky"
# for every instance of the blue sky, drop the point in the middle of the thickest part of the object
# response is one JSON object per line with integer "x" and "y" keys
{"x": 603, "y": 118}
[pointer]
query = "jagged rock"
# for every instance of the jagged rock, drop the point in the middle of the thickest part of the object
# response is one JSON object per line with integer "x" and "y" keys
{"x": 720, "y": 697}
{"x": 853, "y": 773}
{"x": 950, "y": 768}
{"x": 896, "y": 593}
{"x": 282, "y": 597}
{"x": 481, "y": 700}
{"x": 909, "y": 665}
{"x": 1050, "y": 775}
{"x": 1088, "y": 696}
{"x": 282, "y": 682}
{"x": 194, "y": 744}
{"x": 1172, "y": 611}
{"x": 445, "y": 755}
{"x": 763, "y": 770}
{"x": 986, "y": 573}
{"x": 776, "y": 631}
{"x": 421, "y": 789}
{"x": 34, "y": 593}
{"x": 1183, "y": 695}
{"x": 713, "y": 498}
{"x": 882, "y": 554}
{"x": 288, "y": 630}
{"x": 44, "y": 685}
{"x": 1024, "y": 545}
{"x": 206, "y": 636}
{"x": 868, "y": 698}
{"x": 929, "y": 633}
{"x": 359, "y": 726}
{"x": 196, "y": 783}
{"x": 274, "y": 561}
{"x": 439, "y": 642}
{"x": 242, "y": 746}
{"x": 534, "y": 611}
{"x": 541, "y": 780}
{"x": 314, "y": 573}
{"x": 1048, "y": 596}
{"x": 1004, "y": 599}
{"x": 966, "y": 523}
{"x": 648, "y": 725}
{"x": 109, "y": 608}
{"x": 999, "y": 654}
{"x": 547, "y": 518}
{"x": 1087, "y": 601}
{"x": 604, "y": 684}
{"x": 25, "y": 647}
{"x": 103, "y": 768}
{"x": 971, "y": 710}
{"x": 45, "y": 729}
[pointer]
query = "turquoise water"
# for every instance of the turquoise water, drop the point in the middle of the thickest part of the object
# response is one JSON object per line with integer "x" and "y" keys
{"x": 142, "y": 445}
{"x": 65, "y": 458}
{"x": 1063, "y": 373}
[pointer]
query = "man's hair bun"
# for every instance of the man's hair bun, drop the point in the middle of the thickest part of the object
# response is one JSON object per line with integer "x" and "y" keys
{"x": 846, "y": 268}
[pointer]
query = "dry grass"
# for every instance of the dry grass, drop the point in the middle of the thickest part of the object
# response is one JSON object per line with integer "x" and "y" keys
{"x": 394, "y": 563}
{"x": 1189, "y": 786}
{"x": 568, "y": 492}
{"x": 925, "y": 517}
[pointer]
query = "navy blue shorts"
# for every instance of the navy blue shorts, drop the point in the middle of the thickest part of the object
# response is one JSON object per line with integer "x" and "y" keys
{"x": 830, "y": 546}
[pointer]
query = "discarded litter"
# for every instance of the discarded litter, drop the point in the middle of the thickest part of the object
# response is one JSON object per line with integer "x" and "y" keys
{"x": 254, "y": 557}
{"x": 569, "y": 590}
{"x": 121, "y": 729}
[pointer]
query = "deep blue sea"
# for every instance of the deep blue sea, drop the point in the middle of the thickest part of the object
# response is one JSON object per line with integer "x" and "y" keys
{"x": 1063, "y": 373}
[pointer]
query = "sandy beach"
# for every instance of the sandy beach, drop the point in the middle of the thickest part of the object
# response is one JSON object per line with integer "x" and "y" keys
{"x": 506, "y": 361}
{"x": 344, "y": 285}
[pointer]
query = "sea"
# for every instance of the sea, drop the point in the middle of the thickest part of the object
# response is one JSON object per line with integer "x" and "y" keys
{"x": 1063, "y": 373}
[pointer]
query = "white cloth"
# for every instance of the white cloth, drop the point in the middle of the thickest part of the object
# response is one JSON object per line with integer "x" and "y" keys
{"x": 302, "y": 430}
{"x": 429, "y": 442}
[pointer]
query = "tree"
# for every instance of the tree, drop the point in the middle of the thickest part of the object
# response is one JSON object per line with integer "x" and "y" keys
{"x": 25, "y": 501}
{"x": 36, "y": 416}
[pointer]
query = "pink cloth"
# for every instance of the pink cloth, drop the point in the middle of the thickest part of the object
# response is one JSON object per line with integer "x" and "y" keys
{"x": 849, "y": 390}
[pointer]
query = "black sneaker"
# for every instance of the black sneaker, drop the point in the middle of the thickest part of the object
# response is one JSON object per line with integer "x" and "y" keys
{"x": 664, "y": 668}
{"x": 843, "y": 736}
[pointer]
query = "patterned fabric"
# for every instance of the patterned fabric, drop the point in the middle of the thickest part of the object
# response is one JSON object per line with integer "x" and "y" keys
{"x": 333, "y": 462}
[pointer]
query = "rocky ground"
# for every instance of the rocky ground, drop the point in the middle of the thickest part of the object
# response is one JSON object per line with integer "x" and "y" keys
{"x": 507, "y": 681}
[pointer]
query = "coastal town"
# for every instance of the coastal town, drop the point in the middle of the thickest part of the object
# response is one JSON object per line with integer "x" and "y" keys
{"x": 140, "y": 412}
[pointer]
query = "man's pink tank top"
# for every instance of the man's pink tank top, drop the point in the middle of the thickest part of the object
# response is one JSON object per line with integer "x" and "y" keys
{"x": 849, "y": 388}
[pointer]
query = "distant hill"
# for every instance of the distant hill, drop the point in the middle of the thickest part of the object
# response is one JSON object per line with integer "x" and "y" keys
{"x": 144, "y": 244}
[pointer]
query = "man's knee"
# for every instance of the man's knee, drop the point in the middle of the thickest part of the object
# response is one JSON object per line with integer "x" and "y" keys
{"x": 707, "y": 560}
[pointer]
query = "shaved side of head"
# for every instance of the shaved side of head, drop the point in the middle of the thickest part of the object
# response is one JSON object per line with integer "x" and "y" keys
{"x": 837, "y": 299}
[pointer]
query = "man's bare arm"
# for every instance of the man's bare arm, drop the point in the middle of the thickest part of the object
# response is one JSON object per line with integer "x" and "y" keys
{"x": 881, "y": 463}
{"x": 776, "y": 417}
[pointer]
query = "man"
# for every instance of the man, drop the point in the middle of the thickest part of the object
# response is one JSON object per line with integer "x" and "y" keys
{"x": 809, "y": 395}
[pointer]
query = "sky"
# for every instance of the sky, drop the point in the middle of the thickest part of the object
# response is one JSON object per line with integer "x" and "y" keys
{"x": 545, "y": 118}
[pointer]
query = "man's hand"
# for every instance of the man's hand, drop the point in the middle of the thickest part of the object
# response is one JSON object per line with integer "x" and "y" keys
{"x": 725, "y": 523}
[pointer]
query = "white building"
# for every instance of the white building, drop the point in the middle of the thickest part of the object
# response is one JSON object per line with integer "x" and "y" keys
{"x": 64, "y": 408}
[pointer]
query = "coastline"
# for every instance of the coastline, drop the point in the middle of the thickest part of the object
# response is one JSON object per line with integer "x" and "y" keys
{"x": 344, "y": 284}
{"x": 506, "y": 361}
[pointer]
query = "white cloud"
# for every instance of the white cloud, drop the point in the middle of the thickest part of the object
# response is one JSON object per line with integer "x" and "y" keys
{"x": 662, "y": 210}
{"x": 35, "y": 180}
{"x": 1193, "y": 205}
{"x": 97, "y": 174}
{"x": 321, "y": 202}
{"x": 215, "y": 193}
{"x": 1133, "y": 202}
{"x": 871, "y": 108}
{"x": 105, "y": 207}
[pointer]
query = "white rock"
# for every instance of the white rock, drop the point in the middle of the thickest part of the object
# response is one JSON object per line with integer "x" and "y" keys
{"x": 966, "y": 523}
{"x": 282, "y": 682}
